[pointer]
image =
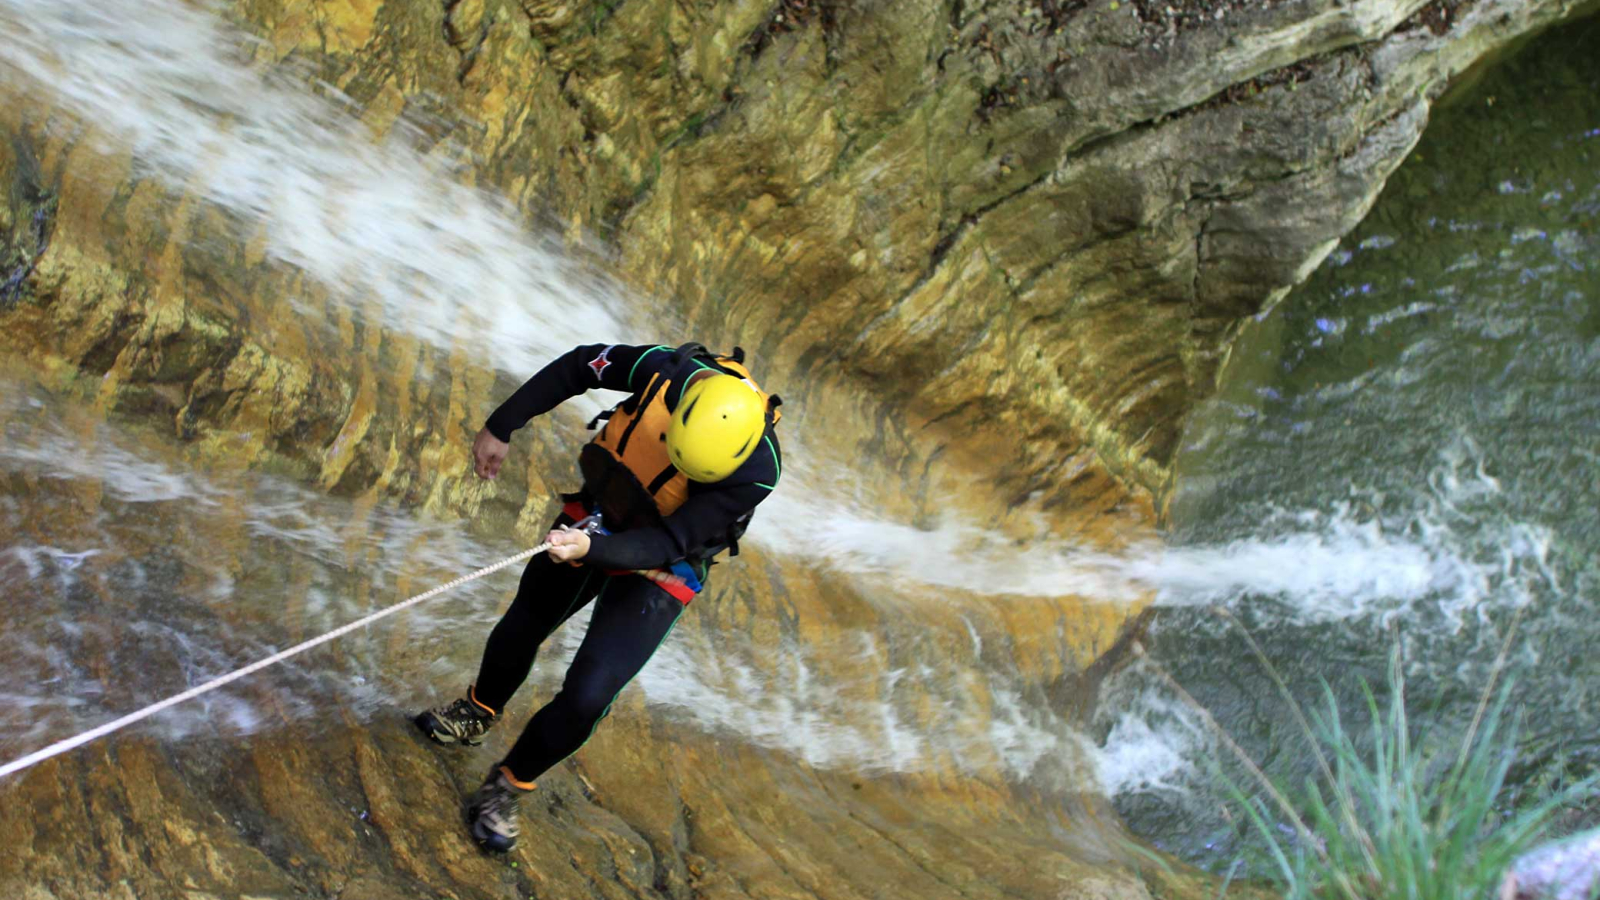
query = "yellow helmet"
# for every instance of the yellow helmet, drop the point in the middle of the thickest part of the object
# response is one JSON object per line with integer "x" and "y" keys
{"x": 716, "y": 426}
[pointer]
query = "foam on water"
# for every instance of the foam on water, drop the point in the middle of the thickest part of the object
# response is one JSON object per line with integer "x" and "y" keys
{"x": 1456, "y": 557}
{"x": 1152, "y": 741}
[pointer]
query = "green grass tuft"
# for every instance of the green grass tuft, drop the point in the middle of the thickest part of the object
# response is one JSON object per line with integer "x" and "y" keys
{"x": 1388, "y": 819}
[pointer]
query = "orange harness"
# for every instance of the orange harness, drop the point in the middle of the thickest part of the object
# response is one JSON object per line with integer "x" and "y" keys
{"x": 636, "y": 437}
{"x": 627, "y": 462}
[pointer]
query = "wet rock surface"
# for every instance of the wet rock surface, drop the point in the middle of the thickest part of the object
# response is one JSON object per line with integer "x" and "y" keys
{"x": 794, "y": 738}
{"x": 996, "y": 251}
{"x": 1013, "y": 220}
{"x": 365, "y": 811}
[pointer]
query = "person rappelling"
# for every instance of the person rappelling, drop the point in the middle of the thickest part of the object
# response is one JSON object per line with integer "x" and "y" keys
{"x": 669, "y": 482}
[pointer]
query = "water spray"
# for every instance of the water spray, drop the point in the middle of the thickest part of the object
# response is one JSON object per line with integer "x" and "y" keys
{"x": 588, "y": 525}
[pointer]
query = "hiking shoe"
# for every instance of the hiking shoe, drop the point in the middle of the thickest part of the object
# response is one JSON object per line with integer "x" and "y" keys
{"x": 492, "y": 812}
{"x": 461, "y": 722}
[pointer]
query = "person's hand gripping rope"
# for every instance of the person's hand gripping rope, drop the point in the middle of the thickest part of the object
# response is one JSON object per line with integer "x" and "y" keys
{"x": 569, "y": 543}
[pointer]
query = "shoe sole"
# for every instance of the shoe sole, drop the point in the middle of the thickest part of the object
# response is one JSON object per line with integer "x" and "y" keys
{"x": 485, "y": 839}
{"x": 435, "y": 730}
{"x": 490, "y": 841}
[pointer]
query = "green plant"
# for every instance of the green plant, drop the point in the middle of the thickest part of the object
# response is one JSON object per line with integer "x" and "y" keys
{"x": 1388, "y": 819}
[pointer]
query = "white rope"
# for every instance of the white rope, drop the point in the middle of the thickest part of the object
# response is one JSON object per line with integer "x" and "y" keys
{"x": 60, "y": 747}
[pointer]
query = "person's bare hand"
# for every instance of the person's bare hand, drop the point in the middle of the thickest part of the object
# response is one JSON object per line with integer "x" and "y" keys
{"x": 567, "y": 545}
{"x": 488, "y": 452}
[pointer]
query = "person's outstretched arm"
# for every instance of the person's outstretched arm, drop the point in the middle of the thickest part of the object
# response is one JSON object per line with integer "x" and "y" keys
{"x": 617, "y": 367}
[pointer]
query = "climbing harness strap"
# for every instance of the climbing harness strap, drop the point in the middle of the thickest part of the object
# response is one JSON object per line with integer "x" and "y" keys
{"x": 679, "y": 579}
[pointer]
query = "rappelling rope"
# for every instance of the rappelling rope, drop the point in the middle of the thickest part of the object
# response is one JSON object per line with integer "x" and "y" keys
{"x": 60, "y": 747}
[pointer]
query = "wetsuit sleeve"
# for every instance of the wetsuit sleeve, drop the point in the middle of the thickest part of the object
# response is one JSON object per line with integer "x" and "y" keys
{"x": 703, "y": 519}
{"x": 612, "y": 366}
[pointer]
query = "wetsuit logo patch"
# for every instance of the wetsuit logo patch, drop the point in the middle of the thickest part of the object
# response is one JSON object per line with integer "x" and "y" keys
{"x": 599, "y": 363}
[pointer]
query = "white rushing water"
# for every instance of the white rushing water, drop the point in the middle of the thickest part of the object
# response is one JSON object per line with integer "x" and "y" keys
{"x": 1467, "y": 559}
{"x": 459, "y": 267}
{"x": 221, "y": 610}
{"x": 300, "y": 563}
{"x": 1445, "y": 553}
{"x": 454, "y": 265}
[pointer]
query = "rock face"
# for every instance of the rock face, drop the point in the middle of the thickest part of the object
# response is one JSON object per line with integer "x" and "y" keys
{"x": 1031, "y": 224}
{"x": 1562, "y": 870}
{"x": 991, "y": 253}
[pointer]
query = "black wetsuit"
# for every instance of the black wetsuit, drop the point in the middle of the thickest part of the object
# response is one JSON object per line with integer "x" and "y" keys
{"x": 632, "y": 614}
